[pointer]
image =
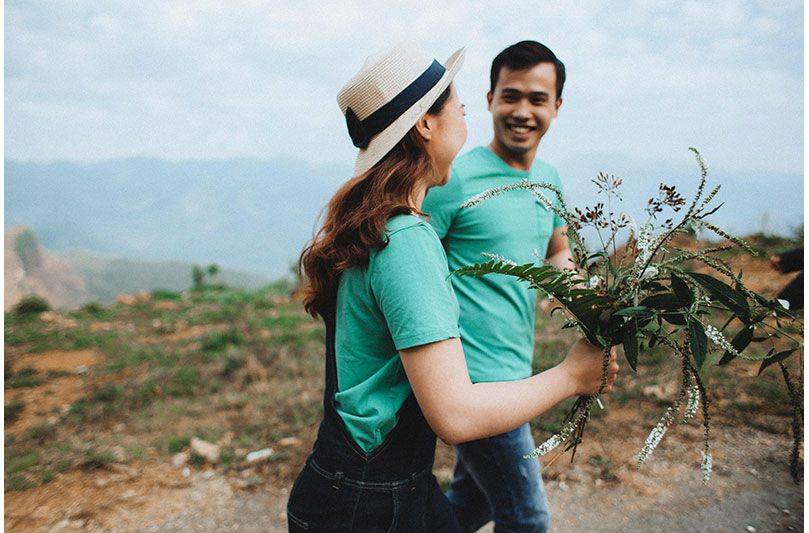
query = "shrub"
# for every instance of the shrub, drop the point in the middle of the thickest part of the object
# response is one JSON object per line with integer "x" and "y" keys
{"x": 41, "y": 432}
{"x": 31, "y": 304}
{"x": 12, "y": 411}
{"x": 18, "y": 482}
{"x": 219, "y": 340}
{"x": 232, "y": 364}
{"x": 18, "y": 463}
{"x": 163, "y": 294}
{"x": 178, "y": 444}
{"x": 185, "y": 381}
{"x": 108, "y": 393}
{"x": 24, "y": 378}
{"x": 95, "y": 460}
{"x": 93, "y": 308}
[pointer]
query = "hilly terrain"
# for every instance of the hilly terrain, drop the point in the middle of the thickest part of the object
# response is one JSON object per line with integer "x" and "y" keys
{"x": 70, "y": 279}
{"x": 194, "y": 411}
{"x": 255, "y": 215}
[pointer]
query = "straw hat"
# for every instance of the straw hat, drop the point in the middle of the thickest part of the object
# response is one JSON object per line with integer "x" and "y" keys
{"x": 388, "y": 96}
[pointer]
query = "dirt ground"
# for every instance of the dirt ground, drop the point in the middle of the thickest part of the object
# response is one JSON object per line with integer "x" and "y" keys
{"x": 750, "y": 488}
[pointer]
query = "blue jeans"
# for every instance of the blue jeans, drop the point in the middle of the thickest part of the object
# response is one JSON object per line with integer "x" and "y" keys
{"x": 323, "y": 501}
{"x": 493, "y": 481}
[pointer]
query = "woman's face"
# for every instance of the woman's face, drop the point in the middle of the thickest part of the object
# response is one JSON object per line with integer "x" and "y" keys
{"x": 447, "y": 136}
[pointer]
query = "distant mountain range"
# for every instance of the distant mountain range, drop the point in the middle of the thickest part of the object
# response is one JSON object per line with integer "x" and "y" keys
{"x": 71, "y": 279}
{"x": 255, "y": 215}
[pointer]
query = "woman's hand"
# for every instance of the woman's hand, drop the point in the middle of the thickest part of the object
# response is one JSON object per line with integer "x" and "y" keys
{"x": 583, "y": 365}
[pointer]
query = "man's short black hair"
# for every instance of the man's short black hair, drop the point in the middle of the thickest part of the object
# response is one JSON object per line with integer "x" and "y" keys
{"x": 524, "y": 55}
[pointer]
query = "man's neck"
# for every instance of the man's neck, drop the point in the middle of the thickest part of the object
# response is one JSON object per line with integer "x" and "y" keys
{"x": 520, "y": 161}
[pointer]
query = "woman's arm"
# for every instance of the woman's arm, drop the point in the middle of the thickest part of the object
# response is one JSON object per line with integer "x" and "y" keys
{"x": 460, "y": 411}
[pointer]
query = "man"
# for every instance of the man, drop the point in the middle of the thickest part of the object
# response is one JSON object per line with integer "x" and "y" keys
{"x": 492, "y": 479}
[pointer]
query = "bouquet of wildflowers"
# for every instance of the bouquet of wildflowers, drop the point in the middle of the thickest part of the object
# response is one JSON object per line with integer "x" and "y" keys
{"x": 644, "y": 293}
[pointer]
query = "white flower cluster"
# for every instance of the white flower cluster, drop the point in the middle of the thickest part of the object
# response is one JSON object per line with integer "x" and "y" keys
{"x": 546, "y": 446}
{"x": 716, "y": 336}
{"x": 593, "y": 282}
{"x": 655, "y": 437}
{"x": 692, "y": 405}
{"x": 646, "y": 243}
{"x": 649, "y": 272}
{"x": 500, "y": 258}
{"x": 706, "y": 466}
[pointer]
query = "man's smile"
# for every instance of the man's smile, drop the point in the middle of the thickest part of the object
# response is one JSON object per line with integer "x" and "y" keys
{"x": 520, "y": 129}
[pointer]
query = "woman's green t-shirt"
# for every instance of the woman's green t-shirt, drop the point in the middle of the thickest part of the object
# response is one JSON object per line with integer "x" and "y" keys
{"x": 402, "y": 299}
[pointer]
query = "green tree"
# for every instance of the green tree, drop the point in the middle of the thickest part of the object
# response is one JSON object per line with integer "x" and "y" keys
{"x": 198, "y": 277}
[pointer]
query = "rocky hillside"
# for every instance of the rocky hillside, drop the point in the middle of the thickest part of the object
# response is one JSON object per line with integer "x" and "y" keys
{"x": 70, "y": 279}
{"x": 32, "y": 270}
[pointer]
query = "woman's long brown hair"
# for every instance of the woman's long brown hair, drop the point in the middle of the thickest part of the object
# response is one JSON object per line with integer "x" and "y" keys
{"x": 357, "y": 214}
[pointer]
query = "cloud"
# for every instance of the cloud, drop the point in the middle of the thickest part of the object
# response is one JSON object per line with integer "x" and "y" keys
{"x": 193, "y": 79}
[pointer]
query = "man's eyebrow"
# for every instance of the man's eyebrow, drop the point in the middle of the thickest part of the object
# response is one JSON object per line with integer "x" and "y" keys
{"x": 513, "y": 91}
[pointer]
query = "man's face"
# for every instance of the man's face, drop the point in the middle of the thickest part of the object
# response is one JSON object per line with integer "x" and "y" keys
{"x": 523, "y": 105}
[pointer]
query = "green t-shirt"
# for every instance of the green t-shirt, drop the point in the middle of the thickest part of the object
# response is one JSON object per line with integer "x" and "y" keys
{"x": 497, "y": 311}
{"x": 403, "y": 298}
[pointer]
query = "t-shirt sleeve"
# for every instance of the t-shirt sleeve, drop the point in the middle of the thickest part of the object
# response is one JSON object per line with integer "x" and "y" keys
{"x": 442, "y": 203}
{"x": 409, "y": 279}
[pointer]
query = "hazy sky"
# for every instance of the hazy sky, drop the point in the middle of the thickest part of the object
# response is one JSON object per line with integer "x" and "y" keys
{"x": 92, "y": 80}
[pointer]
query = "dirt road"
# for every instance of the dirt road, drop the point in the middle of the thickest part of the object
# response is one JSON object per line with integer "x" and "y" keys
{"x": 750, "y": 488}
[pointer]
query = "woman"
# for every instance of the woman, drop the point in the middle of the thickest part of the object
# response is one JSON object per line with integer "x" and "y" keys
{"x": 376, "y": 272}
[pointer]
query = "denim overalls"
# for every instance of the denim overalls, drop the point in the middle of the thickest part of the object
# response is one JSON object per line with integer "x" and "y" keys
{"x": 392, "y": 488}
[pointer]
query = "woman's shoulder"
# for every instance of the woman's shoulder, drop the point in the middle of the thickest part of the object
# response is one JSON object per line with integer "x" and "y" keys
{"x": 410, "y": 234}
{"x": 409, "y": 226}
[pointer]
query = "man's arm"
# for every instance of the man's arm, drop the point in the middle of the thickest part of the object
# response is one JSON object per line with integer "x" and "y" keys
{"x": 559, "y": 254}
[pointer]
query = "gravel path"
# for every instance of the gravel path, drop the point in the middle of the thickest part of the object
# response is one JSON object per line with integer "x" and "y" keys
{"x": 750, "y": 488}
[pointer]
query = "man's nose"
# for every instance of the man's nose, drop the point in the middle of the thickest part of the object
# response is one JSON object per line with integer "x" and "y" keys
{"x": 520, "y": 112}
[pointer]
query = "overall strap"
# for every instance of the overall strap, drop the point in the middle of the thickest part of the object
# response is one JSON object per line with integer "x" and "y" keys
{"x": 330, "y": 387}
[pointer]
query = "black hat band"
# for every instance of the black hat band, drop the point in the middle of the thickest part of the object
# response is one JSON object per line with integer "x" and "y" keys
{"x": 362, "y": 131}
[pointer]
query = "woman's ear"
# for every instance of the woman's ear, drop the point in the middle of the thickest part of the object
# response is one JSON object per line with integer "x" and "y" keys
{"x": 425, "y": 127}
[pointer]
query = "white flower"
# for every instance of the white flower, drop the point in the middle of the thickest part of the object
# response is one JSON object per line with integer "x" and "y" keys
{"x": 692, "y": 405}
{"x": 499, "y": 258}
{"x": 649, "y": 272}
{"x": 652, "y": 441}
{"x": 706, "y": 466}
{"x": 784, "y": 304}
{"x": 716, "y": 336}
{"x": 646, "y": 245}
{"x": 593, "y": 282}
{"x": 546, "y": 446}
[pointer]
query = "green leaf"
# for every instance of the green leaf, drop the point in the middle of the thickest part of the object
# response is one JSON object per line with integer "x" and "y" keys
{"x": 678, "y": 319}
{"x": 780, "y": 356}
{"x": 639, "y": 310}
{"x": 740, "y": 342}
{"x": 698, "y": 341}
{"x": 733, "y": 299}
{"x": 631, "y": 344}
{"x": 665, "y": 300}
{"x": 682, "y": 290}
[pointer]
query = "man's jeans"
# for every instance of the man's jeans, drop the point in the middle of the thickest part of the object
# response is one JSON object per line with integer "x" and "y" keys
{"x": 494, "y": 481}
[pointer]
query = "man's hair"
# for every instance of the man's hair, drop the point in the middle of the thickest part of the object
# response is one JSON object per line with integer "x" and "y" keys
{"x": 524, "y": 55}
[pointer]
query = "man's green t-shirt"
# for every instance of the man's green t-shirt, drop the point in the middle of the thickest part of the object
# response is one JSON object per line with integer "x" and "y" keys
{"x": 497, "y": 311}
{"x": 402, "y": 299}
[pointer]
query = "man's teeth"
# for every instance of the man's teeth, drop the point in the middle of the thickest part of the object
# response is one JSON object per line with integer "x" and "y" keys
{"x": 520, "y": 129}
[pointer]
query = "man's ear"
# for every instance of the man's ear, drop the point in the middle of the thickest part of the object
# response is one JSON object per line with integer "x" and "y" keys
{"x": 489, "y": 98}
{"x": 425, "y": 127}
{"x": 558, "y": 104}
